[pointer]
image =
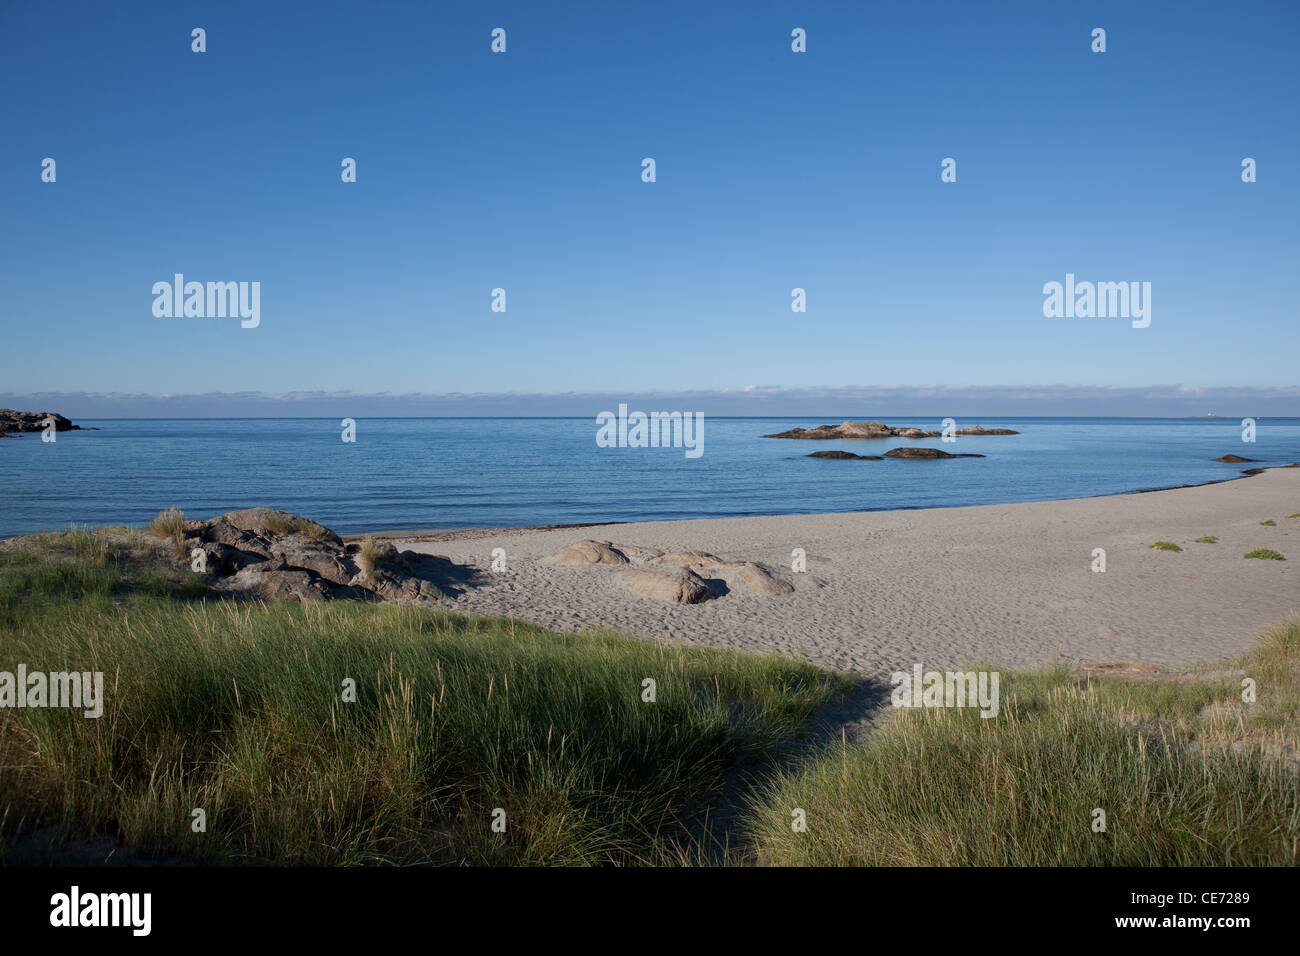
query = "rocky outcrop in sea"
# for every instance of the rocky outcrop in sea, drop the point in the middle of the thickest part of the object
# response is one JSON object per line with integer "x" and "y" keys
{"x": 879, "y": 430}
{"x": 16, "y": 422}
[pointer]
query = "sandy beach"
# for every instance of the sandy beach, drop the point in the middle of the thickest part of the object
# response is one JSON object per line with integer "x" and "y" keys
{"x": 1012, "y": 585}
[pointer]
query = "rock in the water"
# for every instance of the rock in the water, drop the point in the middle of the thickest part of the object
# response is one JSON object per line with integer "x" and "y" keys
{"x": 843, "y": 456}
{"x": 16, "y": 421}
{"x": 862, "y": 429}
{"x": 842, "y": 430}
{"x": 677, "y": 585}
{"x": 1234, "y": 458}
{"x": 589, "y": 552}
{"x": 924, "y": 453}
{"x": 878, "y": 430}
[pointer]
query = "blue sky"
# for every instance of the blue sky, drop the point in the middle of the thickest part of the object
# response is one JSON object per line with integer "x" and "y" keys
{"x": 522, "y": 171}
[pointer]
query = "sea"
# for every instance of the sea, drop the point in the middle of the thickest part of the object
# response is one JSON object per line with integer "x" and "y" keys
{"x": 426, "y": 473}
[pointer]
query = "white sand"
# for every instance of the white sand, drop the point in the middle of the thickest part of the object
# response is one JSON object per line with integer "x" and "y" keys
{"x": 1006, "y": 584}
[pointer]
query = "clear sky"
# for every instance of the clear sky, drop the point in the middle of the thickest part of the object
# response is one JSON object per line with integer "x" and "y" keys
{"x": 522, "y": 170}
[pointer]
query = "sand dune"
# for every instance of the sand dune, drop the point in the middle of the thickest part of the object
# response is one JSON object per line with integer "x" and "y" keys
{"x": 1009, "y": 584}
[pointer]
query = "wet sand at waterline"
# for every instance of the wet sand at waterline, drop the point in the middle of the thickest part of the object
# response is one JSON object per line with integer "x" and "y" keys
{"x": 1011, "y": 584}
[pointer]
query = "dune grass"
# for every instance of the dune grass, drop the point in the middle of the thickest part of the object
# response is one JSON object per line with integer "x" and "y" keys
{"x": 1185, "y": 772}
{"x": 1165, "y": 546}
{"x": 368, "y": 556}
{"x": 245, "y": 711}
{"x": 1265, "y": 554}
{"x": 295, "y": 524}
{"x": 170, "y": 526}
{"x": 1208, "y": 539}
{"x": 239, "y": 709}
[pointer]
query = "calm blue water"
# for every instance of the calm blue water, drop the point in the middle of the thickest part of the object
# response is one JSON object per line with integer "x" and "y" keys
{"x": 474, "y": 472}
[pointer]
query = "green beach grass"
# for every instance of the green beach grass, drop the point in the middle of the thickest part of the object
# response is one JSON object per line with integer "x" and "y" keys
{"x": 238, "y": 709}
{"x": 1265, "y": 554}
{"x": 1185, "y": 772}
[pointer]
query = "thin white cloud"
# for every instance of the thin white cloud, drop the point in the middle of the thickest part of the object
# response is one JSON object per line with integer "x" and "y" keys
{"x": 879, "y": 400}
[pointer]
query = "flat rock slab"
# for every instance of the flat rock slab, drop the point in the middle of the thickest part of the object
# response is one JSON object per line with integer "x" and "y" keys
{"x": 688, "y": 559}
{"x": 676, "y": 585}
{"x": 589, "y": 552}
{"x": 878, "y": 430}
{"x": 762, "y": 580}
{"x": 924, "y": 453}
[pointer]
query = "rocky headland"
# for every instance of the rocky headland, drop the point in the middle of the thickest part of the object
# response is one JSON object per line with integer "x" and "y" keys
{"x": 16, "y": 422}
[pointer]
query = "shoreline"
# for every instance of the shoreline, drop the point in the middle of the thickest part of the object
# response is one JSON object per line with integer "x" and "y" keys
{"x": 433, "y": 535}
{"x": 873, "y": 592}
{"x": 1013, "y": 585}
